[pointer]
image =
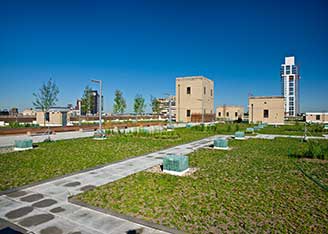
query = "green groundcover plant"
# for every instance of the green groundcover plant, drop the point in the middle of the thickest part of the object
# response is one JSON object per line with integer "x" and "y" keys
{"x": 254, "y": 188}
{"x": 58, "y": 158}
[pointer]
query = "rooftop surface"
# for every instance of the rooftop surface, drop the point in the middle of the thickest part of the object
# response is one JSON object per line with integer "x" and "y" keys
{"x": 264, "y": 97}
{"x": 193, "y": 77}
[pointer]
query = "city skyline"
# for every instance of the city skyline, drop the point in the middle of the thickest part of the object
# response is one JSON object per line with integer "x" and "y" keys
{"x": 140, "y": 48}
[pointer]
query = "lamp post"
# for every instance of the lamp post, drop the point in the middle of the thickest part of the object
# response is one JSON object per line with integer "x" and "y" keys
{"x": 100, "y": 101}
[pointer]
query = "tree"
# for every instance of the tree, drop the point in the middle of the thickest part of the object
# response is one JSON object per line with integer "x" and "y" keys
{"x": 86, "y": 102}
{"x": 139, "y": 104}
{"x": 46, "y": 98}
{"x": 155, "y": 105}
{"x": 119, "y": 102}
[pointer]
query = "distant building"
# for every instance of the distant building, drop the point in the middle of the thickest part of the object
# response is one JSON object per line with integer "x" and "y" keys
{"x": 230, "y": 113}
{"x": 194, "y": 96}
{"x": 56, "y": 116}
{"x": 13, "y": 111}
{"x": 290, "y": 77}
{"x": 266, "y": 109}
{"x": 95, "y": 103}
{"x": 78, "y": 107}
{"x": 164, "y": 104}
{"x": 28, "y": 112}
{"x": 316, "y": 117}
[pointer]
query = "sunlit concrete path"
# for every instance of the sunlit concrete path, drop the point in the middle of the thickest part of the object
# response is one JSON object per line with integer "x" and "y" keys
{"x": 6, "y": 141}
{"x": 44, "y": 208}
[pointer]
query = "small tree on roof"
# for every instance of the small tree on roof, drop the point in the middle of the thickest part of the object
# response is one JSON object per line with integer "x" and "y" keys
{"x": 46, "y": 97}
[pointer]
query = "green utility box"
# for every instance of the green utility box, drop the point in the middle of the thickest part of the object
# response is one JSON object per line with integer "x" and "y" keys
{"x": 170, "y": 126}
{"x": 261, "y": 126}
{"x": 99, "y": 135}
{"x": 221, "y": 143}
{"x": 256, "y": 128}
{"x": 176, "y": 163}
{"x": 249, "y": 130}
{"x": 239, "y": 135}
{"x": 188, "y": 125}
{"x": 23, "y": 144}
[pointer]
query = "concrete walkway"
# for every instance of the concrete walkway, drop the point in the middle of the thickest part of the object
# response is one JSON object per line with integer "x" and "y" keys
{"x": 45, "y": 209}
{"x": 6, "y": 141}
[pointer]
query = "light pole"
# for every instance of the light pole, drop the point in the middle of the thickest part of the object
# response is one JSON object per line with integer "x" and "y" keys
{"x": 100, "y": 101}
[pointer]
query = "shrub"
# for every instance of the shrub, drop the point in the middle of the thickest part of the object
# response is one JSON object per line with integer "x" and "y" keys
{"x": 311, "y": 149}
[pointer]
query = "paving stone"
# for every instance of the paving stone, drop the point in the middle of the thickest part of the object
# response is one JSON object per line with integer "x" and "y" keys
{"x": 44, "y": 203}
{"x": 20, "y": 212}
{"x": 72, "y": 184}
{"x": 7, "y": 205}
{"x": 32, "y": 197}
{"x": 51, "y": 230}
{"x": 87, "y": 187}
{"x": 16, "y": 194}
{"x": 36, "y": 220}
{"x": 57, "y": 210}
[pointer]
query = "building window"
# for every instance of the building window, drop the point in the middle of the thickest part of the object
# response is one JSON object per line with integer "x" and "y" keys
{"x": 227, "y": 114}
{"x": 188, "y": 113}
{"x": 317, "y": 117}
{"x": 281, "y": 70}
{"x": 188, "y": 90}
{"x": 219, "y": 113}
{"x": 265, "y": 113}
{"x": 294, "y": 69}
{"x": 291, "y": 78}
{"x": 211, "y": 92}
{"x": 236, "y": 114}
{"x": 47, "y": 116}
{"x": 204, "y": 90}
{"x": 287, "y": 69}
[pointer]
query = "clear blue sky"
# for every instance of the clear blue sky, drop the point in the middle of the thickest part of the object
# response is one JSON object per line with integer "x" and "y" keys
{"x": 141, "y": 46}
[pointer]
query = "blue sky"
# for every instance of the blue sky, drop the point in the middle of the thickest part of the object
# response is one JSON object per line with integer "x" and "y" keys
{"x": 141, "y": 46}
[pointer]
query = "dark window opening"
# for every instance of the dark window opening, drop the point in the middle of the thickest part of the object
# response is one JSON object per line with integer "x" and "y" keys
{"x": 227, "y": 114}
{"x": 219, "y": 113}
{"x": 266, "y": 113}
{"x": 47, "y": 116}
{"x": 204, "y": 90}
{"x": 188, "y": 113}
{"x": 236, "y": 114}
{"x": 317, "y": 117}
{"x": 211, "y": 92}
{"x": 188, "y": 90}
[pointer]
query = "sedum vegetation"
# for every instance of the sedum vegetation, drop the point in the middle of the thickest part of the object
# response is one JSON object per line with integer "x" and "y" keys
{"x": 254, "y": 188}
{"x": 58, "y": 158}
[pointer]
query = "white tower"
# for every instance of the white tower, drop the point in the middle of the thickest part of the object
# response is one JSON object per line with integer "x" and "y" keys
{"x": 290, "y": 77}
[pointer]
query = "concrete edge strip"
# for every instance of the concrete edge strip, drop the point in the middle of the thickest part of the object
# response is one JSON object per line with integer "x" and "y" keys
{"x": 11, "y": 190}
{"x": 152, "y": 225}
